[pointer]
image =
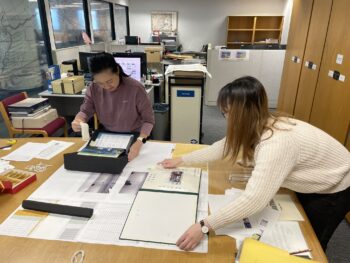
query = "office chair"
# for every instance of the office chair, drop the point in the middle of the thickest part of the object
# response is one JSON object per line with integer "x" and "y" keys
{"x": 46, "y": 131}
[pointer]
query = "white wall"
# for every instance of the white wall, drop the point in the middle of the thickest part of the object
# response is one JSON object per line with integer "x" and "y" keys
{"x": 200, "y": 21}
{"x": 265, "y": 65}
{"x": 120, "y": 2}
{"x": 287, "y": 16}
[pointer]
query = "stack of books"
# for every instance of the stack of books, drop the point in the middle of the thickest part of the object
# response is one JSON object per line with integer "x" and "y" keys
{"x": 29, "y": 107}
{"x": 31, "y": 113}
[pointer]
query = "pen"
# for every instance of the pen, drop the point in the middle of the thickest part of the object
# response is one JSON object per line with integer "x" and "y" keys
{"x": 4, "y": 147}
{"x": 300, "y": 251}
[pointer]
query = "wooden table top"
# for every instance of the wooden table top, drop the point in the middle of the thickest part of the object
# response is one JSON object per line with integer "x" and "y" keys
{"x": 221, "y": 249}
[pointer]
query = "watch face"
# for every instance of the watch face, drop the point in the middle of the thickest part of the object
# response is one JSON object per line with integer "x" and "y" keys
{"x": 205, "y": 229}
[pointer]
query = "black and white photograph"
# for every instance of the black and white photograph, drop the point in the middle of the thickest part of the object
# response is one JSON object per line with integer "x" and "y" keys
{"x": 101, "y": 184}
{"x": 133, "y": 183}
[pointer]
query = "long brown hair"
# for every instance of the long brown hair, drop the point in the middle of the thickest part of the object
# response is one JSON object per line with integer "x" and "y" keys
{"x": 245, "y": 105}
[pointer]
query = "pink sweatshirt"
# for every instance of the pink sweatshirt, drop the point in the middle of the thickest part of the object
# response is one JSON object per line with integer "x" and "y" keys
{"x": 127, "y": 109}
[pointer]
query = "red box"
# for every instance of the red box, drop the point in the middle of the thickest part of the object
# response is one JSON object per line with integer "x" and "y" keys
{"x": 14, "y": 180}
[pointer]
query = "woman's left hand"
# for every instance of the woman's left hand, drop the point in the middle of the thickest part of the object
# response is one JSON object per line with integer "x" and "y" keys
{"x": 191, "y": 238}
{"x": 134, "y": 150}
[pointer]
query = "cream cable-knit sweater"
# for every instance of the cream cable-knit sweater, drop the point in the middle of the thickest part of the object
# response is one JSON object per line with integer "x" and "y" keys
{"x": 303, "y": 158}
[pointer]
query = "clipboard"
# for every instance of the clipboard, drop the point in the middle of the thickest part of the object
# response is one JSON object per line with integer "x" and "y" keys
{"x": 97, "y": 164}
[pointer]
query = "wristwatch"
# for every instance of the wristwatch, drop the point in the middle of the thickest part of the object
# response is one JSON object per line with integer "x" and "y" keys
{"x": 204, "y": 228}
{"x": 141, "y": 139}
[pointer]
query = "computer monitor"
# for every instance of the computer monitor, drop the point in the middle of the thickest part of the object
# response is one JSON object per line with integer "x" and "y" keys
{"x": 133, "y": 64}
{"x": 84, "y": 58}
{"x": 131, "y": 40}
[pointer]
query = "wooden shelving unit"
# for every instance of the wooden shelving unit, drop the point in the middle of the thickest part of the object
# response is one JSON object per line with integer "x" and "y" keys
{"x": 253, "y": 30}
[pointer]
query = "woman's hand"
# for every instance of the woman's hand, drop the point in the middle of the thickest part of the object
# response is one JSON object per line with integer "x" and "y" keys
{"x": 171, "y": 163}
{"x": 191, "y": 238}
{"x": 76, "y": 124}
{"x": 134, "y": 150}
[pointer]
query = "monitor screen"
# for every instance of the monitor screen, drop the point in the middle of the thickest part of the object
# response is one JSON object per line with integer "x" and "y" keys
{"x": 134, "y": 64}
{"x": 84, "y": 58}
{"x": 131, "y": 66}
{"x": 131, "y": 40}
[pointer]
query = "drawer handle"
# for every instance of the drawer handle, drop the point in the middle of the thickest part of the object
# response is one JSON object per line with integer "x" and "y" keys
{"x": 296, "y": 59}
{"x": 336, "y": 75}
{"x": 310, "y": 65}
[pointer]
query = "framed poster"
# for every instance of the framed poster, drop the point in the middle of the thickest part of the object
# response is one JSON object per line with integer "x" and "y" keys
{"x": 164, "y": 21}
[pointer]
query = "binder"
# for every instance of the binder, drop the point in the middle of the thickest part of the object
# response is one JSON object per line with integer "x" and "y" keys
{"x": 96, "y": 164}
{"x": 165, "y": 206}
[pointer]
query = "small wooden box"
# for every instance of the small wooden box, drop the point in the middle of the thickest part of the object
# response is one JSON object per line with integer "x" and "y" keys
{"x": 73, "y": 85}
{"x": 57, "y": 86}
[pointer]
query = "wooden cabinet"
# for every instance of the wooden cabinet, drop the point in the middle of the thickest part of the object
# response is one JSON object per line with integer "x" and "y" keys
{"x": 312, "y": 58}
{"x": 331, "y": 107}
{"x": 253, "y": 30}
{"x": 297, "y": 37}
{"x": 319, "y": 92}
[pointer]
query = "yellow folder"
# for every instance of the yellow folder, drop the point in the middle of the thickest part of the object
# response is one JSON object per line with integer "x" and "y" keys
{"x": 254, "y": 251}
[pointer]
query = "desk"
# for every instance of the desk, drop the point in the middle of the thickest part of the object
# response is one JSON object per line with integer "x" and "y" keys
{"x": 15, "y": 249}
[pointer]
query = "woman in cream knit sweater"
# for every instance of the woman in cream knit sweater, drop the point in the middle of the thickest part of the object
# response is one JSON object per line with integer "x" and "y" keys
{"x": 285, "y": 152}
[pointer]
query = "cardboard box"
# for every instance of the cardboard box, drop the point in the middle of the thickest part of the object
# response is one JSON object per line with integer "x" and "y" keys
{"x": 57, "y": 86}
{"x": 73, "y": 85}
{"x": 38, "y": 121}
{"x": 154, "y": 54}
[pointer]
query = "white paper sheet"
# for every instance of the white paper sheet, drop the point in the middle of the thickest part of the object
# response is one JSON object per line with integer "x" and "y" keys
{"x": 106, "y": 224}
{"x": 5, "y": 165}
{"x": 19, "y": 225}
{"x": 282, "y": 202}
{"x": 255, "y": 224}
{"x": 151, "y": 154}
{"x": 110, "y": 140}
{"x": 146, "y": 223}
{"x": 286, "y": 235}
{"x": 289, "y": 211}
{"x": 52, "y": 149}
{"x": 75, "y": 185}
{"x": 26, "y": 152}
